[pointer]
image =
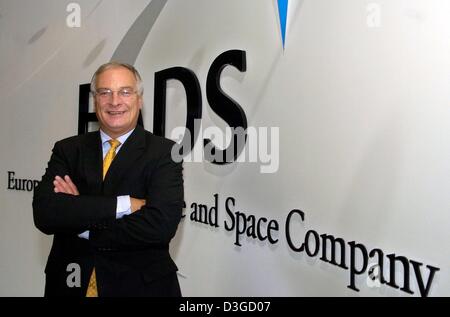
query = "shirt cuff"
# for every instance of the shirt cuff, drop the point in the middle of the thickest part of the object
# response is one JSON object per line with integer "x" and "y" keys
{"x": 123, "y": 206}
{"x": 84, "y": 235}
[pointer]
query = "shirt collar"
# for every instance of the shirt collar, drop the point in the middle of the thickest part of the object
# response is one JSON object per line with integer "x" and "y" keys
{"x": 121, "y": 139}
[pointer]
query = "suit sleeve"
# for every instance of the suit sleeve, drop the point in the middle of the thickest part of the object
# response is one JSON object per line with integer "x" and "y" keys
{"x": 61, "y": 213}
{"x": 156, "y": 222}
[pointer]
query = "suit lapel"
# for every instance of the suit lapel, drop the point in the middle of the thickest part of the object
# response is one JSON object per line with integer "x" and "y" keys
{"x": 131, "y": 150}
{"x": 93, "y": 162}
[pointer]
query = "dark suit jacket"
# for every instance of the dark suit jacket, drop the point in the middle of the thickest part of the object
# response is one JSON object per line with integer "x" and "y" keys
{"x": 130, "y": 255}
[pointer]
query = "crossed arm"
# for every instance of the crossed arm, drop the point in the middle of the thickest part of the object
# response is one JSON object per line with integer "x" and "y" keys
{"x": 66, "y": 186}
{"x": 58, "y": 207}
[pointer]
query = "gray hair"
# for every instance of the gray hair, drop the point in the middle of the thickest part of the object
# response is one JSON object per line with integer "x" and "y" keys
{"x": 111, "y": 65}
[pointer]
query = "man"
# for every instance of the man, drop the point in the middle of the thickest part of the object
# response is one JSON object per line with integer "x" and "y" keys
{"x": 112, "y": 199}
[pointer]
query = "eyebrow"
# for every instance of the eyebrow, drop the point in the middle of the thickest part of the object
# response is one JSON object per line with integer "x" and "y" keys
{"x": 120, "y": 88}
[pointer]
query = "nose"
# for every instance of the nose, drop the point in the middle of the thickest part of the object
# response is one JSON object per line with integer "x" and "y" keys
{"x": 115, "y": 98}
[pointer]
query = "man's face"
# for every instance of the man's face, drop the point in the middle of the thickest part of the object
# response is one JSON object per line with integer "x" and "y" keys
{"x": 118, "y": 111}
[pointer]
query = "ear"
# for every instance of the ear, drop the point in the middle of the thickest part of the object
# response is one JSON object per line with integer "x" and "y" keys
{"x": 141, "y": 101}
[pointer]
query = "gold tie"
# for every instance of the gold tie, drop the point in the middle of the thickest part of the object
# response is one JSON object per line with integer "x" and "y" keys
{"x": 109, "y": 157}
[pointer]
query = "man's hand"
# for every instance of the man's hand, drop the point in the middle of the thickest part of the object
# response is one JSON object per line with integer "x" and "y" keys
{"x": 136, "y": 204}
{"x": 65, "y": 186}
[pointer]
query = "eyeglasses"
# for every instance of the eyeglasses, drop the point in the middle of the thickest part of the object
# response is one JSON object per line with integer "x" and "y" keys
{"x": 107, "y": 94}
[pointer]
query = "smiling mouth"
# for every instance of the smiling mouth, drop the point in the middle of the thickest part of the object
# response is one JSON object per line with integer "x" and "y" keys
{"x": 115, "y": 113}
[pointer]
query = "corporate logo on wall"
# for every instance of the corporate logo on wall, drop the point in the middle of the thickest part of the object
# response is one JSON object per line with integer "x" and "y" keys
{"x": 378, "y": 266}
{"x": 246, "y": 144}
